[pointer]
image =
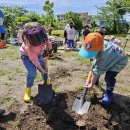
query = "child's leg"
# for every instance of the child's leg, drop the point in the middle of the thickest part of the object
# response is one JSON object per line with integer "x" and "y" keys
{"x": 30, "y": 77}
{"x": 31, "y": 70}
{"x": 110, "y": 80}
{"x": 110, "y": 83}
{"x": 69, "y": 43}
{"x": 72, "y": 43}
{"x": 43, "y": 63}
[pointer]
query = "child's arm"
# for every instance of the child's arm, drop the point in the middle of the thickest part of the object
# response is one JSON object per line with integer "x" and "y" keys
{"x": 92, "y": 83}
{"x": 39, "y": 67}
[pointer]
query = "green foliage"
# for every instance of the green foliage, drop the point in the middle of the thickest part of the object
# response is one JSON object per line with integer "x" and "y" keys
{"x": 58, "y": 33}
{"x": 49, "y": 17}
{"x": 79, "y": 87}
{"x": 112, "y": 13}
{"x": 11, "y": 53}
{"x": 58, "y": 25}
{"x": 33, "y": 16}
{"x": 74, "y": 17}
{"x": 22, "y": 20}
{"x": 11, "y": 13}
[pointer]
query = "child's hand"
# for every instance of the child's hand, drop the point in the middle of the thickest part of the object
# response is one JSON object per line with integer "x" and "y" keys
{"x": 44, "y": 72}
{"x": 89, "y": 87}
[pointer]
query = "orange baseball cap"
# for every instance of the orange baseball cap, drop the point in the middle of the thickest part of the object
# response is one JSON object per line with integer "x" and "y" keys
{"x": 93, "y": 42}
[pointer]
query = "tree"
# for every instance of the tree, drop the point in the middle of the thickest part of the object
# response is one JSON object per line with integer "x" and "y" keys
{"x": 22, "y": 20}
{"x": 11, "y": 13}
{"x": 33, "y": 16}
{"x": 49, "y": 17}
{"x": 112, "y": 14}
{"x": 74, "y": 17}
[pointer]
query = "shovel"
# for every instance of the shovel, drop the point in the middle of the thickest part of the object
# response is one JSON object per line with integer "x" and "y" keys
{"x": 81, "y": 106}
{"x": 45, "y": 91}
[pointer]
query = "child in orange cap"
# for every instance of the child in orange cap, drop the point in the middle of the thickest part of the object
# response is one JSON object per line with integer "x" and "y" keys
{"x": 109, "y": 59}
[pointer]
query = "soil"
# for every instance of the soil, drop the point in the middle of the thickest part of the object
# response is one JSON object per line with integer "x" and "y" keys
{"x": 67, "y": 74}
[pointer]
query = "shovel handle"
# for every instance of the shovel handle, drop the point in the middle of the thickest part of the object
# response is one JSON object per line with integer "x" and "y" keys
{"x": 47, "y": 80}
{"x": 89, "y": 77}
{"x": 85, "y": 89}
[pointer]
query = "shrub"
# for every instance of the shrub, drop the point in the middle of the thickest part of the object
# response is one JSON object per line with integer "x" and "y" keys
{"x": 58, "y": 33}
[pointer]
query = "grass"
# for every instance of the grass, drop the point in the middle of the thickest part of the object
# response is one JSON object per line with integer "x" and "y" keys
{"x": 8, "y": 83}
{"x": 11, "y": 52}
{"x": 57, "y": 83}
{"x": 75, "y": 54}
{"x": 3, "y": 72}
{"x": 51, "y": 63}
{"x": 18, "y": 69}
{"x": 71, "y": 53}
{"x": 124, "y": 89}
{"x": 84, "y": 76}
{"x": 79, "y": 87}
{"x": 10, "y": 103}
{"x": 16, "y": 122}
{"x": 69, "y": 78}
{"x": 56, "y": 91}
{"x": 83, "y": 60}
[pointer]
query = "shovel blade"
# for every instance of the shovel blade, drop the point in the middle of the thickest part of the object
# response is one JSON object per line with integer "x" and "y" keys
{"x": 80, "y": 108}
{"x": 45, "y": 93}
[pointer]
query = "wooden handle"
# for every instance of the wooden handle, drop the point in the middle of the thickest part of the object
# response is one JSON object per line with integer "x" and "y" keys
{"x": 89, "y": 77}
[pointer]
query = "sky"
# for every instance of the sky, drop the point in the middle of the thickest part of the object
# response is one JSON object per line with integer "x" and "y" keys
{"x": 61, "y": 6}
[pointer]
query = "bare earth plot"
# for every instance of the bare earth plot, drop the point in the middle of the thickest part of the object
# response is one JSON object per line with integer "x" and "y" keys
{"x": 68, "y": 74}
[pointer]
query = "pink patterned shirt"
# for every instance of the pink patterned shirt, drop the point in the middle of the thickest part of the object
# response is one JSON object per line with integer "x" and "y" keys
{"x": 32, "y": 52}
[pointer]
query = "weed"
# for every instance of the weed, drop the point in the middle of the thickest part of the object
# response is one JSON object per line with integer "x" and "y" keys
{"x": 51, "y": 63}
{"x": 10, "y": 103}
{"x": 8, "y": 83}
{"x": 79, "y": 87}
{"x": 83, "y": 76}
{"x": 2, "y": 72}
{"x": 69, "y": 54}
{"x": 6, "y": 97}
{"x": 83, "y": 60}
{"x": 69, "y": 78}
{"x": 16, "y": 122}
{"x": 56, "y": 84}
{"x": 18, "y": 70}
{"x": 11, "y": 52}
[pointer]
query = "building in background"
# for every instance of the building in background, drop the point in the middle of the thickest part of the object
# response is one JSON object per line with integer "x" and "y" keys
{"x": 61, "y": 17}
{"x": 84, "y": 17}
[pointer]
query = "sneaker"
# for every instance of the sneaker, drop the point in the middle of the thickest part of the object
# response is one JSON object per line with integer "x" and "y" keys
{"x": 107, "y": 99}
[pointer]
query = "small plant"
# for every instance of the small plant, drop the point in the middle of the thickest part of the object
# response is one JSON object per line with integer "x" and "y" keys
{"x": 16, "y": 122}
{"x": 83, "y": 60}
{"x": 69, "y": 54}
{"x": 9, "y": 103}
{"x": 51, "y": 63}
{"x": 84, "y": 76}
{"x": 69, "y": 78}
{"x": 8, "y": 84}
{"x": 79, "y": 87}
{"x": 18, "y": 70}
{"x": 2, "y": 72}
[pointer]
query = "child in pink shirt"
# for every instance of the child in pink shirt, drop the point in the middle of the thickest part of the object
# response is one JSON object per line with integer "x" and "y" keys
{"x": 32, "y": 60}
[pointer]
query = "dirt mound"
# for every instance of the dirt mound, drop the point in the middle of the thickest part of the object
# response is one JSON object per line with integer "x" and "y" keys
{"x": 59, "y": 72}
{"x": 58, "y": 115}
